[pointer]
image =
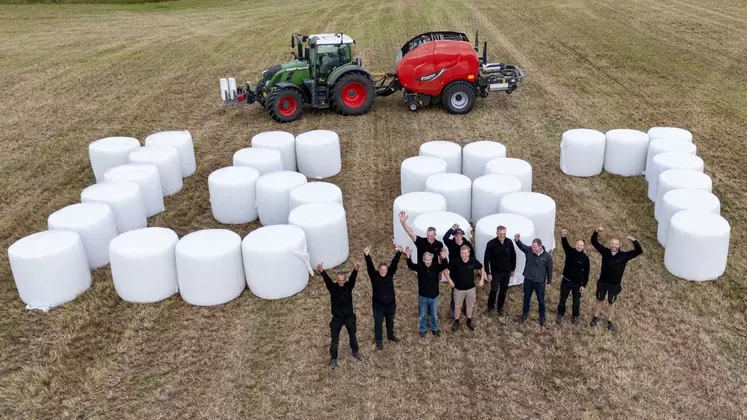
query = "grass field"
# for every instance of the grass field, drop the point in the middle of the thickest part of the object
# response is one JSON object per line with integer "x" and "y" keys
{"x": 70, "y": 74}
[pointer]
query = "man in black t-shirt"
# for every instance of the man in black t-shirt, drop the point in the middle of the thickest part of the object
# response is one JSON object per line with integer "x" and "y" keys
{"x": 423, "y": 245}
{"x": 453, "y": 245}
{"x": 610, "y": 277}
{"x": 341, "y": 300}
{"x": 461, "y": 277}
{"x": 429, "y": 275}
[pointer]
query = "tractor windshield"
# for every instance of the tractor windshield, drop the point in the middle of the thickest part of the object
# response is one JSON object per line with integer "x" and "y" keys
{"x": 329, "y": 57}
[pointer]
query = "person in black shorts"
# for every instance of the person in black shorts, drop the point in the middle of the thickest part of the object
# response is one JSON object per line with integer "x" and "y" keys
{"x": 610, "y": 277}
{"x": 575, "y": 276}
{"x": 341, "y": 300}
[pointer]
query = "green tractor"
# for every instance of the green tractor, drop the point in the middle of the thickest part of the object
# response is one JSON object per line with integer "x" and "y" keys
{"x": 323, "y": 74}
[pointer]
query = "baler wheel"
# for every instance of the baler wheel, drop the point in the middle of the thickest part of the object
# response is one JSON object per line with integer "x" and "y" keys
{"x": 459, "y": 98}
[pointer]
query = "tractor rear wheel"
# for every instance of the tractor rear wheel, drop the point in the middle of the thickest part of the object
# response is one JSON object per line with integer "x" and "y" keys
{"x": 284, "y": 105}
{"x": 353, "y": 94}
{"x": 459, "y": 98}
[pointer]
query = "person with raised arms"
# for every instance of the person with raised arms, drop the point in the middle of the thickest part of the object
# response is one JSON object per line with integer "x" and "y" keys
{"x": 429, "y": 273}
{"x": 422, "y": 245}
{"x": 610, "y": 276}
{"x": 537, "y": 275}
{"x": 383, "y": 299}
{"x": 341, "y": 300}
{"x": 575, "y": 276}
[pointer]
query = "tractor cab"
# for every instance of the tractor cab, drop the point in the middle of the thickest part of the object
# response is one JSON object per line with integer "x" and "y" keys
{"x": 323, "y": 53}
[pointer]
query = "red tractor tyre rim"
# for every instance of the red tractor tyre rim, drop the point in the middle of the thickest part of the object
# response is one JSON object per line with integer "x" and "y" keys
{"x": 287, "y": 106}
{"x": 354, "y": 95}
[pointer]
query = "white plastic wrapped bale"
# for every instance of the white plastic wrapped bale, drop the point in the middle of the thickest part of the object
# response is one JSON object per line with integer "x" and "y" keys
{"x": 326, "y": 231}
{"x": 147, "y": 178}
{"x": 233, "y": 198}
{"x": 448, "y": 151}
{"x": 315, "y": 192}
{"x": 582, "y": 152}
{"x": 181, "y": 140}
{"x": 263, "y": 159}
{"x": 456, "y": 189}
{"x": 415, "y": 170}
{"x": 684, "y": 199}
{"x": 520, "y": 169}
{"x": 664, "y": 145}
{"x": 476, "y": 154}
{"x": 276, "y": 261}
{"x": 166, "y": 159}
{"x": 209, "y": 267}
{"x": 109, "y": 152}
{"x": 282, "y": 141}
{"x": 123, "y": 198}
{"x": 95, "y": 224}
{"x": 625, "y": 152}
{"x": 539, "y": 208}
{"x": 487, "y": 192}
{"x": 673, "y": 179}
{"x": 143, "y": 264}
{"x": 414, "y": 204}
{"x": 674, "y": 133}
{"x": 486, "y": 230}
{"x": 273, "y": 196}
{"x": 318, "y": 154}
{"x": 697, "y": 245}
{"x": 442, "y": 221}
{"x": 49, "y": 268}
{"x": 671, "y": 160}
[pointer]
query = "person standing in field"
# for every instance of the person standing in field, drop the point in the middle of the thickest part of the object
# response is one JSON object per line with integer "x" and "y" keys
{"x": 610, "y": 276}
{"x": 537, "y": 275}
{"x": 429, "y": 274}
{"x": 575, "y": 276}
{"x": 500, "y": 264}
{"x": 461, "y": 276}
{"x": 453, "y": 245}
{"x": 422, "y": 245}
{"x": 383, "y": 299}
{"x": 341, "y": 300}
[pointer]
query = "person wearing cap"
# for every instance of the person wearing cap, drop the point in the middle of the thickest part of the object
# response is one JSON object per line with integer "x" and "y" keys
{"x": 429, "y": 274}
{"x": 453, "y": 244}
{"x": 500, "y": 264}
{"x": 341, "y": 301}
{"x": 383, "y": 299}
{"x": 538, "y": 267}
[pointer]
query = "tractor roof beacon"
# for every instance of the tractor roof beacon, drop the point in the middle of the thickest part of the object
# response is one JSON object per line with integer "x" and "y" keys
{"x": 433, "y": 67}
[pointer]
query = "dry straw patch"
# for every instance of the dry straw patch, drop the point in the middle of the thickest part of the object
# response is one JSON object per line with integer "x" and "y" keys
{"x": 71, "y": 74}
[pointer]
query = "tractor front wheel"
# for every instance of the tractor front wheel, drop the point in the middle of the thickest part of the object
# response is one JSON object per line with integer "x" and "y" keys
{"x": 284, "y": 105}
{"x": 353, "y": 94}
{"x": 459, "y": 98}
